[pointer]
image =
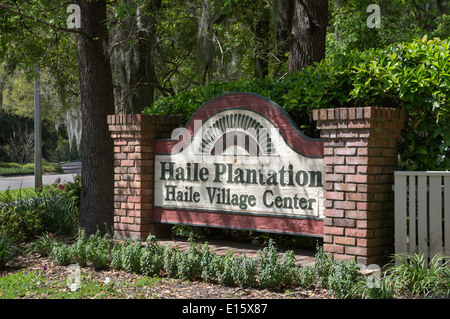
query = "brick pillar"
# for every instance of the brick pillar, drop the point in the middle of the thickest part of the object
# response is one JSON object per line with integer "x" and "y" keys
{"x": 360, "y": 156}
{"x": 133, "y": 136}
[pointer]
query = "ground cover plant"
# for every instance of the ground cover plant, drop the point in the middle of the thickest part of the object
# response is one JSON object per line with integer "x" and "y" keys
{"x": 407, "y": 276}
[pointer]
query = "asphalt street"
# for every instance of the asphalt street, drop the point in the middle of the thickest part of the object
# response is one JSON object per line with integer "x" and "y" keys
{"x": 23, "y": 181}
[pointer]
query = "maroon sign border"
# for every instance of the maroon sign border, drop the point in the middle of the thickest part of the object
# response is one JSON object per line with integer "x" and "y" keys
{"x": 306, "y": 146}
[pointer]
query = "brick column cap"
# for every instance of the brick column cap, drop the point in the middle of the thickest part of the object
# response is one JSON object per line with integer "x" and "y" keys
{"x": 359, "y": 113}
{"x": 126, "y": 119}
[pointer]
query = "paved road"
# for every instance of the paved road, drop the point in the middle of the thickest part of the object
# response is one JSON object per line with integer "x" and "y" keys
{"x": 16, "y": 182}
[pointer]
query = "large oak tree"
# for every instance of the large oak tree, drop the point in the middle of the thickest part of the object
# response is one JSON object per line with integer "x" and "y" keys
{"x": 97, "y": 101}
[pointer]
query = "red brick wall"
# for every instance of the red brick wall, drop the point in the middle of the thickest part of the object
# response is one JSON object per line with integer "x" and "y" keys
{"x": 360, "y": 156}
{"x": 133, "y": 136}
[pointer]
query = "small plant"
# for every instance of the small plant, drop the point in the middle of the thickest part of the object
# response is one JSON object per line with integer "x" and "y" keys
{"x": 42, "y": 245}
{"x": 306, "y": 276}
{"x": 189, "y": 266}
{"x": 245, "y": 271}
{"x": 361, "y": 289}
{"x": 61, "y": 254}
{"x": 273, "y": 272}
{"x": 116, "y": 256}
{"x": 152, "y": 261}
{"x": 342, "y": 278}
{"x": 20, "y": 220}
{"x": 98, "y": 250}
{"x": 78, "y": 249}
{"x": 131, "y": 256}
{"x": 414, "y": 274}
{"x": 171, "y": 257}
{"x": 226, "y": 268}
{"x": 323, "y": 266}
{"x": 209, "y": 262}
{"x": 5, "y": 251}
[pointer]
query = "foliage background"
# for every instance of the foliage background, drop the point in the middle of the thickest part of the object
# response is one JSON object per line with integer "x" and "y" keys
{"x": 194, "y": 50}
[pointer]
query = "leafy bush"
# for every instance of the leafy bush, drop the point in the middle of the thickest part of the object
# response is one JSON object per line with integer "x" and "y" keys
{"x": 209, "y": 263}
{"x": 226, "y": 269}
{"x": 131, "y": 256}
{"x": 29, "y": 213}
{"x": 324, "y": 265}
{"x": 306, "y": 276}
{"x": 189, "y": 266}
{"x": 42, "y": 245}
{"x": 171, "y": 257}
{"x": 274, "y": 272}
{"x": 98, "y": 250}
{"x": 61, "y": 253}
{"x": 343, "y": 278}
{"x": 152, "y": 261}
{"x": 414, "y": 274}
{"x": 5, "y": 250}
{"x": 79, "y": 249}
{"x": 19, "y": 222}
{"x": 245, "y": 271}
{"x": 116, "y": 257}
{"x": 413, "y": 76}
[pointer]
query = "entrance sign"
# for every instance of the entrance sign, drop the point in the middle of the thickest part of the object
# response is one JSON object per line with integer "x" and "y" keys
{"x": 240, "y": 163}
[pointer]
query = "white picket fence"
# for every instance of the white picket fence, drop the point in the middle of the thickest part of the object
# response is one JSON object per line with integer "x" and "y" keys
{"x": 422, "y": 213}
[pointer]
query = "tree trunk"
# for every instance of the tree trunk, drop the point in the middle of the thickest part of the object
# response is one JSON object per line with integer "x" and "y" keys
{"x": 205, "y": 45}
{"x": 308, "y": 31}
{"x": 282, "y": 12}
{"x": 97, "y": 101}
{"x": 262, "y": 32}
{"x": 134, "y": 64}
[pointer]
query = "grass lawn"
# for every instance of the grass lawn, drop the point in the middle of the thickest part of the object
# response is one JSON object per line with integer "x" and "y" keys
{"x": 7, "y": 169}
{"x": 17, "y": 194}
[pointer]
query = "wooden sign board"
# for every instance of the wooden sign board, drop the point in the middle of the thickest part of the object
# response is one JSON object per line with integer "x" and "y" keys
{"x": 240, "y": 163}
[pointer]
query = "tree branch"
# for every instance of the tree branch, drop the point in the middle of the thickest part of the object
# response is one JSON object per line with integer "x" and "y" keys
{"x": 55, "y": 27}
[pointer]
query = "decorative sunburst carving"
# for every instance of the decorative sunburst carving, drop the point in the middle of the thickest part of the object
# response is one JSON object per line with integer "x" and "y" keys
{"x": 237, "y": 129}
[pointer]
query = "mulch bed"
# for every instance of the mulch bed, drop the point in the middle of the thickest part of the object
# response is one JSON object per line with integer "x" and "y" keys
{"x": 168, "y": 288}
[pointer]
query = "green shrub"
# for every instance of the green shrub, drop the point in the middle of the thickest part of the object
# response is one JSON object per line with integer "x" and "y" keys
{"x": 189, "y": 266}
{"x": 51, "y": 208}
{"x": 414, "y": 274}
{"x": 171, "y": 257}
{"x": 79, "y": 249}
{"x": 306, "y": 276}
{"x": 42, "y": 245}
{"x": 226, "y": 269}
{"x": 116, "y": 257}
{"x": 152, "y": 261}
{"x": 274, "y": 272}
{"x": 209, "y": 264}
{"x": 20, "y": 222}
{"x": 131, "y": 256}
{"x": 245, "y": 271}
{"x": 98, "y": 250}
{"x": 5, "y": 250}
{"x": 60, "y": 212}
{"x": 324, "y": 265}
{"x": 61, "y": 253}
{"x": 342, "y": 279}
